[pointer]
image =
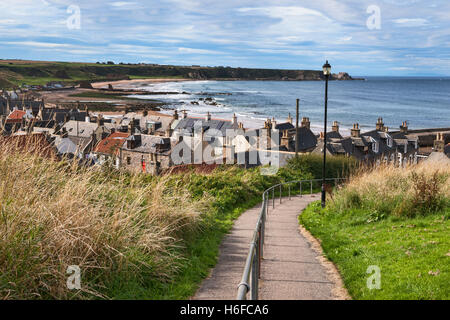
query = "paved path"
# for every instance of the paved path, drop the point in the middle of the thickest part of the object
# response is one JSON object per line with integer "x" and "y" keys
{"x": 290, "y": 269}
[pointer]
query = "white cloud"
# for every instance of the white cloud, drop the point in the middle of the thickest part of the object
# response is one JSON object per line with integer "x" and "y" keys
{"x": 122, "y": 3}
{"x": 405, "y": 22}
{"x": 197, "y": 51}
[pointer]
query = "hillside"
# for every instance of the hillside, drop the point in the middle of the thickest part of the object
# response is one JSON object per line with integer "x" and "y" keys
{"x": 18, "y": 72}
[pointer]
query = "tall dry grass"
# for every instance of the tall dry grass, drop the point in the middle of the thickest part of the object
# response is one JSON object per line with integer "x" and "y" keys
{"x": 415, "y": 190}
{"x": 56, "y": 214}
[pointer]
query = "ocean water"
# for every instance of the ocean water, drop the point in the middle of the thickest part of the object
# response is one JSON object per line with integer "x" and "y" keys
{"x": 423, "y": 102}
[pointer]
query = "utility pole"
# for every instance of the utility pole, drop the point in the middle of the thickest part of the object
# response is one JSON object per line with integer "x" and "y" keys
{"x": 296, "y": 130}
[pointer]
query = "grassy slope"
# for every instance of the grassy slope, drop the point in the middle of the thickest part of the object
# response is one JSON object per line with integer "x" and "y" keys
{"x": 412, "y": 251}
{"x": 135, "y": 237}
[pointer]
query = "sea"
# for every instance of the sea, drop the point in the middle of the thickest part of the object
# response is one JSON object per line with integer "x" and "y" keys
{"x": 422, "y": 102}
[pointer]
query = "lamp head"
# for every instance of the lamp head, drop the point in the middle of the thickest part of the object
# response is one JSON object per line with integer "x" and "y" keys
{"x": 327, "y": 69}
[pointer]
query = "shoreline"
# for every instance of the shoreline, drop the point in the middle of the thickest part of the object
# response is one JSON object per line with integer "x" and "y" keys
{"x": 249, "y": 123}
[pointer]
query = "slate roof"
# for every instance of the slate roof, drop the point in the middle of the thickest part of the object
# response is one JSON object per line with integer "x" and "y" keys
{"x": 61, "y": 114}
{"x": 186, "y": 125}
{"x": 34, "y": 105}
{"x": 80, "y": 128}
{"x": 333, "y": 135}
{"x": 284, "y": 126}
{"x": 71, "y": 144}
{"x": 306, "y": 139}
{"x": 148, "y": 144}
{"x": 165, "y": 121}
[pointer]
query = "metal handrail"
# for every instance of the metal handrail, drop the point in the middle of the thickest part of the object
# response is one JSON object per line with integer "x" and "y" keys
{"x": 252, "y": 269}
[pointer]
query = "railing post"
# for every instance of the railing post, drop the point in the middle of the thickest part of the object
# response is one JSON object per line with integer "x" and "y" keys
{"x": 254, "y": 286}
{"x": 289, "y": 192}
{"x": 260, "y": 250}
{"x": 311, "y": 186}
{"x": 273, "y": 198}
{"x": 301, "y": 189}
{"x": 280, "y": 193}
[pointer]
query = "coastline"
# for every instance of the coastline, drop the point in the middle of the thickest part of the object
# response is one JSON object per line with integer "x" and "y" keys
{"x": 196, "y": 110}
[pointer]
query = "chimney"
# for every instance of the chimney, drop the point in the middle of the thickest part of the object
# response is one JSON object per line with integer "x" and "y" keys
{"x": 356, "y": 132}
{"x": 268, "y": 124}
{"x": 285, "y": 139}
{"x": 131, "y": 128}
{"x": 241, "y": 125}
{"x": 100, "y": 120}
{"x": 274, "y": 123}
{"x": 380, "y": 125}
{"x": 175, "y": 115}
{"x": 208, "y": 116}
{"x": 169, "y": 132}
{"x": 87, "y": 118}
{"x": 404, "y": 127}
{"x": 234, "y": 120}
{"x": 104, "y": 133}
{"x": 306, "y": 123}
{"x": 335, "y": 126}
{"x": 289, "y": 118}
{"x": 386, "y": 129}
{"x": 64, "y": 133}
{"x": 439, "y": 143}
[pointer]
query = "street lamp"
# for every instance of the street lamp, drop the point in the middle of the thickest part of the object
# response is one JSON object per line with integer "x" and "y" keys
{"x": 327, "y": 72}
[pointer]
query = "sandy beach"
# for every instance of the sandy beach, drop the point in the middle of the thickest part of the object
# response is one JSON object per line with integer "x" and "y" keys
{"x": 134, "y": 83}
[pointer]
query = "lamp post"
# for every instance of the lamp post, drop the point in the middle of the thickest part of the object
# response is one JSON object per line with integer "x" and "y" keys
{"x": 327, "y": 72}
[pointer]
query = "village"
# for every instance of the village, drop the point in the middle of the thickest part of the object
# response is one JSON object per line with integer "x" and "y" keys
{"x": 154, "y": 142}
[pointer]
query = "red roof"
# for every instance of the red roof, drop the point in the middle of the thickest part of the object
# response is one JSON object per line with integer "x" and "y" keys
{"x": 112, "y": 143}
{"x": 15, "y": 116}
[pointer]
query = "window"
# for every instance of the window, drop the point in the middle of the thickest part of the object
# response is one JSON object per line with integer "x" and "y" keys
{"x": 375, "y": 145}
{"x": 128, "y": 160}
{"x": 389, "y": 142}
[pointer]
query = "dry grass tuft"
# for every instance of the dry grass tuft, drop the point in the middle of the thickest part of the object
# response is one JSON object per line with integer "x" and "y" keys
{"x": 56, "y": 214}
{"x": 415, "y": 190}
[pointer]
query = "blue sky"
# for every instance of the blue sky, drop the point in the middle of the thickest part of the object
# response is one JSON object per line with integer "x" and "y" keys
{"x": 412, "y": 37}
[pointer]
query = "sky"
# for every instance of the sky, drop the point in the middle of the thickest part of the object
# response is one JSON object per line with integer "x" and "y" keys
{"x": 374, "y": 37}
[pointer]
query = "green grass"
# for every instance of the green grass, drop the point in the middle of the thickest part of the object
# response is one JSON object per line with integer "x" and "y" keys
{"x": 386, "y": 218}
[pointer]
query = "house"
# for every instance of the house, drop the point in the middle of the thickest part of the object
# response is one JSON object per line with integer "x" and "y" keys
{"x": 145, "y": 153}
{"x": 107, "y": 150}
{"x": 17, "y": 116}
{"x": 210, "y": 132}
{"x": 373, "y": 146}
